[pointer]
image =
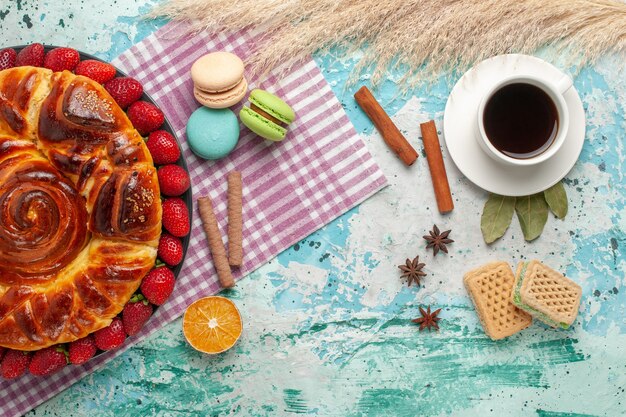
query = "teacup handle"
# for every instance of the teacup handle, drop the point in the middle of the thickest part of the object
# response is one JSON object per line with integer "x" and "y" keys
{"x": 564, "y": 84}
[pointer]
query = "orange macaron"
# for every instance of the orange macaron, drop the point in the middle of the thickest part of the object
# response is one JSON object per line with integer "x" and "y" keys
{"x": 219, "y": 80}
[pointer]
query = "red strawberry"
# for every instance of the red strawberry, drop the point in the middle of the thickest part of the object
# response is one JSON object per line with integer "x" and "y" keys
{"x": 14, "y": 364}
{"x": 7, "y": 58}
{"x": 146, "y": 117}
{"x": 31, "y": 55}
{"x": 173, "y": 180}
{"x": 163, "y": 147}
{"x": 111, "y": 336}
{"x": 1, "y": 352}
{"x": 158, "y": 285}
{"x": 82, "y": 350}
{"x": 124, "y": 90}
{"x": 136, "y": 313}
{"x": 47, "y": 361}
{"x": 170, "y": 249}
{"x": 60, "y": 59}
{"x": 175, "y": 217}
{"x": 98, "y": 71}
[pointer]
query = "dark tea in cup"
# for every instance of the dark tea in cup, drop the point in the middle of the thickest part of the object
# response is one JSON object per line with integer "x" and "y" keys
{"x": 521, "y": 120}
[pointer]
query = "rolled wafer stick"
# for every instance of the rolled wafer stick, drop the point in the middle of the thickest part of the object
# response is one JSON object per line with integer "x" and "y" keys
{"x": 220, "y": 260}
{"x": 235, "y": 223}
{"x": 437, "y": 167}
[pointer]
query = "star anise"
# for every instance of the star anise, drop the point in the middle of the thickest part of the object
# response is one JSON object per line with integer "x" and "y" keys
{"x": 412, "y": 270}
{"x": 428, "y": 319}
{"x": 438, "y": 240}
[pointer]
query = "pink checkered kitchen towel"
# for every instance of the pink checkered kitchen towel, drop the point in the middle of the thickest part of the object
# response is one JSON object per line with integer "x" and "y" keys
{"x": 291, "y": 188}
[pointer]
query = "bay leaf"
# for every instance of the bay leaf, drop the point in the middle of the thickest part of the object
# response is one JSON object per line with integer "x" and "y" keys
{"x": 496, "y": 217}
{"x": 532, "y": 212}
{"x": 557, "y": 200}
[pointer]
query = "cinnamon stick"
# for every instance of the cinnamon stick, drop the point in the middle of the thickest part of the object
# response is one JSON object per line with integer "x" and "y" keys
{"x": 390, "y": 133}
{"x": 235, "y": 223}
{"x": 437, "y": 167}
{"x": 216, "y": 246}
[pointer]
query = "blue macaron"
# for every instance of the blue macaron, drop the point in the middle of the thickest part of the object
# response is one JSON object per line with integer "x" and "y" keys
{"x": 212, "y": 133}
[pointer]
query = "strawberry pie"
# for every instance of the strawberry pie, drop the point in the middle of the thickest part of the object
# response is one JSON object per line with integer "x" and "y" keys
{"x": 80, "y": 209}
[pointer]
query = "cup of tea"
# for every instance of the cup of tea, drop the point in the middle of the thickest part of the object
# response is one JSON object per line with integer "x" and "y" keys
{"x": 523, "y": 120}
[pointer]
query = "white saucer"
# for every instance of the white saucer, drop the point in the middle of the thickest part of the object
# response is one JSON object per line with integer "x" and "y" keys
{"x": 460, "y": 117}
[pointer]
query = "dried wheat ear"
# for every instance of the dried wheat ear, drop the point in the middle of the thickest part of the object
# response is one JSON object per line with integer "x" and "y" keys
{"x": 420, "y": 38}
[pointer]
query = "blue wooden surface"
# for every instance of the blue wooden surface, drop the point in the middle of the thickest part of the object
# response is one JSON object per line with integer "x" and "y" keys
{"x": 327, "y": 323}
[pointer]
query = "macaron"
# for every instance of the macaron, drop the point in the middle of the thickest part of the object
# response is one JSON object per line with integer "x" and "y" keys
{"x": 212, "y": 133}
{"x": 218, "y": 80}
{"x": 268, "y": 116}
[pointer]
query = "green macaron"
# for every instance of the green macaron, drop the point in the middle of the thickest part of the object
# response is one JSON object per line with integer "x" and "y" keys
{"x": 268, "y": 115}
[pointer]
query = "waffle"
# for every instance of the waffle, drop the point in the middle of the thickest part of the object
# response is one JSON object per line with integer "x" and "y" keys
{"x": 490, "y": 288}
{"x": 546, "y": 294}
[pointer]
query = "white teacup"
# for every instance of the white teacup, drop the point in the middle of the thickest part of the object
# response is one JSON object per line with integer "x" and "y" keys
{"x": 554, "y": 91}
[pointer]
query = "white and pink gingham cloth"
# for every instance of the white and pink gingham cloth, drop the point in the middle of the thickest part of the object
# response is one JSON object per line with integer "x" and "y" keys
{"x": 290, "y": 188}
